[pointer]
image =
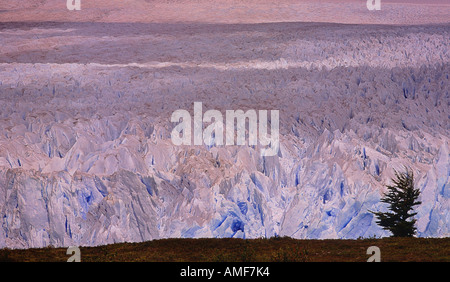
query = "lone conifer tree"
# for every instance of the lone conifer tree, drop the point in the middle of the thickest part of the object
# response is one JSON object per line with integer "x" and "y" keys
{"x": 401, "y": 197}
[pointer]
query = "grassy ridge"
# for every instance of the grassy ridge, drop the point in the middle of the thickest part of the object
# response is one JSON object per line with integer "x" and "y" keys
{"x": 249, "y": 250}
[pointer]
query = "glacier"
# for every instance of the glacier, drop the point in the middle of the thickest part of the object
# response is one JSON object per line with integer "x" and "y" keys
{"x": 85, "y": 151}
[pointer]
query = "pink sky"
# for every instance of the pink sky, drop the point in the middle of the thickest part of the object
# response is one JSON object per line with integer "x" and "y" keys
{"x": 228, "y": 11}
{"x": 418, "y": 1}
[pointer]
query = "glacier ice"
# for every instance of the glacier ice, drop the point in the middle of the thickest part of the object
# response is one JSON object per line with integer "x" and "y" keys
{"x": 86, "y": 156}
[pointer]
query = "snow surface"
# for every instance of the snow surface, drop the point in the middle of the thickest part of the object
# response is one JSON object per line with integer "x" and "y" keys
{"x": 85, "y": 150}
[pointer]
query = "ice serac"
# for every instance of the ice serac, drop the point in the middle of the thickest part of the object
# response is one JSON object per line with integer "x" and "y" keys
{"x": 86, "y": 156}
